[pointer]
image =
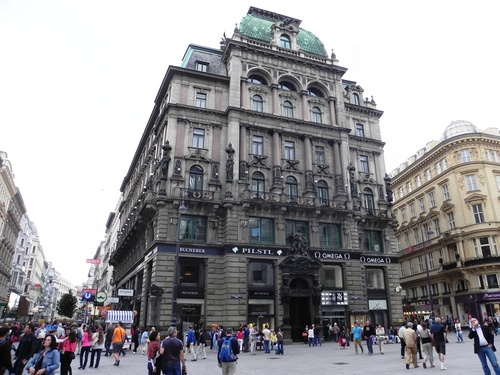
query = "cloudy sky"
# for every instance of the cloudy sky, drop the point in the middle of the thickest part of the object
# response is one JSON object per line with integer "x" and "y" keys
{"x": 78, "y": 80}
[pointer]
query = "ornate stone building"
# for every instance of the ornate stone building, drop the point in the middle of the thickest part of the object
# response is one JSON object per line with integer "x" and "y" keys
{"x": 278, "y": 162}
{"x": 446, "y": 203}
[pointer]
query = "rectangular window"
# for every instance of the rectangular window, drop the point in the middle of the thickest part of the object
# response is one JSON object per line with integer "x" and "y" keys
{"x": 198, "y": 138}
{"x": 261, "y": 230}
{"x": 438, "y": 168}
{"x": 329, "y": 235}
{"x": 421, "y": 264}
{"x": 477, "y": 209}
{"x": 403, "y": 213}
{"x": 418, "y": 181}
{"x": 465, "y": 155}
{"x": 408, "y": 187}
{"x": 482, "y": 248}
{"x": 426, "y": 231}
{"x": 412, "y": 210}
{"x": 428, "y": 174}
{"x": 319, "y": 152}
{"x": 360, "y": 130}
{"x": 416, "y": 235}
{"x": 421, "y": 203}
{"x": 407, "y": 239}
{"x": 446, "y": 192}
{"x": 410, "y": 267}
{"x": 289, "y": 150}
{"x": 402, "y": 193}
{"x": 201, "y": 66}
{"x": 451, "y": 220}
{"x": 192, "y": 272}
{"x": 331, "y": 277}
{"x": 437, "y": 228}
{"x": 492, "y": 280}
{"x": 363, "y": 164}
{"x": 430, "y": 258}
{"x": 294, "y": 229}
{"x": 432, "y": 199}
{"x": 258, "y": 145}
{"x": 201, "y": 100}
{"x": 193, "y": 229}
{"x": 481, "y": 281}
{"x": 375, "y": 278}
{"x": 372, "y": 241}
{"x": 471, "y": 182}
{"x": 260, "y": 273}
{"x": 497, "y": 177}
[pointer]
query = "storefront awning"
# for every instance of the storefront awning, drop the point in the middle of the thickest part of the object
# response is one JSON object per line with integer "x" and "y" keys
{"x": 115, "y": 316}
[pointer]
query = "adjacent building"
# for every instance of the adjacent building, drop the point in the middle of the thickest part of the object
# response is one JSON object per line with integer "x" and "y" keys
{"x": 12, "y": 210}
{"x": 258, "y": 191}
{"x": 448, "y": 209}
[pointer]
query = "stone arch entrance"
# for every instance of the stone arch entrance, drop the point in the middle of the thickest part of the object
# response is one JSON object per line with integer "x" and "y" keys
{"x": 300, "y": 307}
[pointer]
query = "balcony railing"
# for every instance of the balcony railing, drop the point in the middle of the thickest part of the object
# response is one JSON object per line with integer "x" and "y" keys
{"x": 373, "y": 212}
{"x": 472, "y": 262}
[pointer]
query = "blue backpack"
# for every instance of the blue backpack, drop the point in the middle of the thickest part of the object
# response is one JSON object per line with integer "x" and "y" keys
{"x": 226, "y": 351}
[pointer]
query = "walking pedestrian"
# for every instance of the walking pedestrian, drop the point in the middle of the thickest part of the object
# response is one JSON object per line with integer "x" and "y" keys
{"x": 357, "y": 332}
{"x": 483, "y": 346}
{"x": 191, "y": 343}
{"x": 427, "y": 347}
{"x": 5, "y": 349}
{"x": 280, "y": 339}
{"x": 97, "y": 347}
{"x": 109, "y": 339}
{"x": 144, "y": 340}
{"x": 119, "y": 337}
{"x": 402, "y": 340}
{"x": 48, "y": 359}
{"x": 410, "y": 337}
{"x": 86, "y": 344}
{"x": 68, "y": 348}
{"x": 153, "y": 353}
{"x": 173, "y": 350}
{"x": 227, "y": 355}
{"x": 438, "y": 332}
{"x": 381, "y": 337}
{"x": 202, "y": 343}
{"x": 458, "y": 331}
{"x": 368, "y": 334}
{"x": 26, "y": 348}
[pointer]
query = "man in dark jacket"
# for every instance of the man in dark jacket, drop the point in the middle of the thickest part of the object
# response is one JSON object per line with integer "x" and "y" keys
{"x": 26, "y": 348}
{"x": 368, "y": 334}
{"x": 229, "y": 366}
{"x": 483, "y": 346}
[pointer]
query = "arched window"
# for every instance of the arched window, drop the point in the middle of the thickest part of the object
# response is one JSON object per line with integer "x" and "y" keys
{"x": 368, "y": 201}
{"x": 287, "y": 86}
{"x": 322, "y": 192}
{"x": 195, "y": 179}
{"x": 256, "y": 80}
{"x": 257, "y": 103}
{"x": 313, "y": 91}
{"x": 288, "y": 109}
{"x": 258, "y": 185}
{"x": 285, "y": 41}
{"x": 291, "y": 188}
{"x": 316, "y": 115}
{"x": 355, "y": 99}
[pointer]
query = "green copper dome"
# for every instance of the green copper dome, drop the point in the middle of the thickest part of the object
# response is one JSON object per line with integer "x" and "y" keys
{"x": 261, "y": 29}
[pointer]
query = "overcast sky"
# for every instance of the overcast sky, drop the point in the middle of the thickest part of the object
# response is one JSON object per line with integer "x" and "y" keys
{"x": 78, "y": 80}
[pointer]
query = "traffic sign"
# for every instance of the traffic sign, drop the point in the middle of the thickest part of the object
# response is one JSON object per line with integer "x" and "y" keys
{"x": 101, "y": 297}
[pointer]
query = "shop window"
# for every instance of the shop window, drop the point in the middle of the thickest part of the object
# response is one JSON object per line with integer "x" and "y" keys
{"x": 331, "y": 277}
{"x": 375, "y": 278}
{"x": 260, "y": 274}
{"x": 192, "y": 272}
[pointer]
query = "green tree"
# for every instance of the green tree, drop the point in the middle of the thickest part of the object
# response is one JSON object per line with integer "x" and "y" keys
{"x": 66, "y": 306}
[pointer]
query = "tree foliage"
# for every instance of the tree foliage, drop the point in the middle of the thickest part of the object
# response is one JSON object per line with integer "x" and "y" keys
{"x": 66, "y": 306}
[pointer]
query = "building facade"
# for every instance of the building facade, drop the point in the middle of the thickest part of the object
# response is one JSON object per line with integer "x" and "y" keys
{"x": 259, "y": 186}
{"x": 12, "y": 210}
{"x": 447, "y": 206}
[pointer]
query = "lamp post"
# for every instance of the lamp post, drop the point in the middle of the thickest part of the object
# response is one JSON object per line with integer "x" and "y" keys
{"x": 182, "y": 210}
{"x": 429, "y": 234}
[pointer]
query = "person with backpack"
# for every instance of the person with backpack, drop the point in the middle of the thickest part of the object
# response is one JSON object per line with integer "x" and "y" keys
{"x": 227, "y": 355}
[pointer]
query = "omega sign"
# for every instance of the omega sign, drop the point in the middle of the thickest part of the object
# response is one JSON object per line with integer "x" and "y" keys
{"x": 320, "y": 255}
{"x": 375, "y": 260}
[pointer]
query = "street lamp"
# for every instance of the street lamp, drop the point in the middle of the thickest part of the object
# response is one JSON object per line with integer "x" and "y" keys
{"x": 429, "y": 234}
{"x": 181, "y": 211}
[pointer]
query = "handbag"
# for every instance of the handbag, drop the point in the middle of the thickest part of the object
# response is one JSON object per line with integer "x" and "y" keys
{"x": 304, "y": 334}
{"x": 72, "y": 355}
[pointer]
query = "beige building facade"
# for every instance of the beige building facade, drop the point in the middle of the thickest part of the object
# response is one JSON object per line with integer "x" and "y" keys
{"x": 278, "y": 162}
{"x": 448, "y": 209}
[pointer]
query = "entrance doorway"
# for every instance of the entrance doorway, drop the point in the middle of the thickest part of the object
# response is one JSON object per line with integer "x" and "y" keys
{"x": 190, "y": 315}
{"x": 300, "y": 316}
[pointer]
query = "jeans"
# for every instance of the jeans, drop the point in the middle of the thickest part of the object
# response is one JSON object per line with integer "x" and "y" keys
{"x": 97, "y": 354}
{"x": 369, "y": 345}
{"x": 174, "y": 369}
{"x": 487, "y": 352}
{"x": 109, "y": 350}
{"x": 84, "y": 352}
{"x": 280, "y": 348}
{"x": 460, "y": 337}
{"x": 266, "y": 346}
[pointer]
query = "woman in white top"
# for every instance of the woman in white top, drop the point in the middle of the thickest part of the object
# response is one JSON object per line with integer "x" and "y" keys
{"x": 458, "y": 331}
{"x": 97, "y": 347}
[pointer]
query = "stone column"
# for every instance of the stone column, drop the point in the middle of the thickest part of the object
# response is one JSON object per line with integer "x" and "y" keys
{"x": 305, "y": 106}
{"x": 333, "y": 117}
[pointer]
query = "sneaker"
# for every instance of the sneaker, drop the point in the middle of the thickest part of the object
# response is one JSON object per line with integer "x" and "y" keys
{"x": 423, "y": 364}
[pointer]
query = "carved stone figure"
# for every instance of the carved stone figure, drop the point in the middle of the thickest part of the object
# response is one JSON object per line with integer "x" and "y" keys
{"x": 388, "y": 189}
{"x": 299, "y": 245}
{"x": 316, "y": 293}
{"x": 353, "y": 180}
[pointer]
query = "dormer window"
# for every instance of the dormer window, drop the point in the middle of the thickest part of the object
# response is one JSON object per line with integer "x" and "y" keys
{"x": 355, "y": 99}
{"x": 201, "y": 66}
{"x": 285, "y": 42}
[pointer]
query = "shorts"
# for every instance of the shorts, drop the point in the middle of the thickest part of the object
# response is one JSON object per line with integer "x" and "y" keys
{"x": 117, "y": 347}
{"x": 440, "y": 347}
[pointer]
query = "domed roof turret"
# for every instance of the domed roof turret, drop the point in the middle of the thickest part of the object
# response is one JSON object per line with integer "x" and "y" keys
{"x": 459, "y": 127}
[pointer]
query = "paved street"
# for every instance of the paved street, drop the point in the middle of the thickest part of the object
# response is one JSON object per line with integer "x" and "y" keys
{"x": 303, "y": 360}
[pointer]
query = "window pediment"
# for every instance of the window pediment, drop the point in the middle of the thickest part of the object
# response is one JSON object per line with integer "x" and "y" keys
{"x": 447, "y": 207}
{"x": 475, "y": 198}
